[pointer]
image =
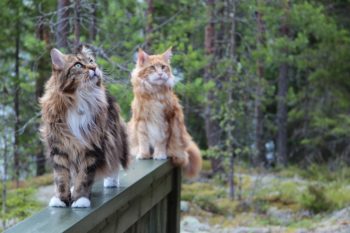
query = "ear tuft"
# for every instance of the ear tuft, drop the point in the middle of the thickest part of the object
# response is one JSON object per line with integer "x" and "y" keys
{"x": 167, "y": 55}
{"x": 57, "y": 58}
{"x": 142, "y": 57}
{"x": 85, "y": 50}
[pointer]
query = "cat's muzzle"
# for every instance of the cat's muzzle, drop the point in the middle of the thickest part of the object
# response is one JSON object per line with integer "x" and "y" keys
{"x": 95, "y": 73}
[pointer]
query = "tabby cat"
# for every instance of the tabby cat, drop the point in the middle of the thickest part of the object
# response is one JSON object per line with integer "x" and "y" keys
{"x": 81, "y": 128}
{"x": 157, "y": 128}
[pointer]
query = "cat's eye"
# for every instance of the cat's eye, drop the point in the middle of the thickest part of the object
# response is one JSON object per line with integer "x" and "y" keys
{"x": 78, "y": 65}
{"x": 153, "y": 68}
{"x": 163, "y": 67}
{"x": 91, "y": 60}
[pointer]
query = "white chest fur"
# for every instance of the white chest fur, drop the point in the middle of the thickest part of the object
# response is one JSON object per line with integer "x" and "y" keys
{"x": 80, "y": 117}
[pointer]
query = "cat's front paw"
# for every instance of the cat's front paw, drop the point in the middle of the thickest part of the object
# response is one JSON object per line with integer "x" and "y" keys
{"x": 82, "y": 202}
{"x": 56, "y": 202}
{"x": 111, "y": 182}
{"x": 160, "y": 157}
{"x": 140, "y": 156}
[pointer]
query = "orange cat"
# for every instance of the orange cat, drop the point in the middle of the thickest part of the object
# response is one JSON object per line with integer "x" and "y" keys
{"x": 157, "y": 124}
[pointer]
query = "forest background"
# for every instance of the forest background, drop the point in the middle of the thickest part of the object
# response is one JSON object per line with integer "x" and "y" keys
{"x": 263, "y": 83}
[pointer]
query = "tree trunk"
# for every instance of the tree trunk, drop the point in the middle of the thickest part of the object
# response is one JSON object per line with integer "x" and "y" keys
{"x": 149, "y": 23}
{"x": 212, "y": 128}
{"x": 77, "y": 23}
{"x": 231, "y": 14}
{"x": 258, "y": 113}
{"x": 4, "y": 176}
{"x": 17, "y": 90}
{"x": 62, "y": 24}
{"x": 282, "y": 114}
{"x": 43, "y": 34}
{"x": 93, "y": 23}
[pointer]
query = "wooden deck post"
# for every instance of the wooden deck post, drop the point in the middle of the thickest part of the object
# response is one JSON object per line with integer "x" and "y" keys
{"x": 173, "y": 213}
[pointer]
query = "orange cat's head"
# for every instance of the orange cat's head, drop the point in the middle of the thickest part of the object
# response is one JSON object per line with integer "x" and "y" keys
{"x": 75, "y": 71}
{"x": 153, "y": 71}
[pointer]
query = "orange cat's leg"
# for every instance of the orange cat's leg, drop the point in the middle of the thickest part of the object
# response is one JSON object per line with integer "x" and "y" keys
{"x": 143, "y": 141}
{"x": 176, "y": 147}
{"x": 160, "y": 150}
{"x": 133, "y": 139}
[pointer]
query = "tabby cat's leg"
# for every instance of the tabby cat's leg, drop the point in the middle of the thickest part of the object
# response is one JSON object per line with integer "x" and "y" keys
{"x": 111, "y": 181}
{"x": 61, "y": 178}
{"x": 84, "y": 180}
{"x": 143, "y": 140}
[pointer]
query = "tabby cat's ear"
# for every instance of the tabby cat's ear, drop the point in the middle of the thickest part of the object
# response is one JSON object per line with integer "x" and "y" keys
{"x": 167, "y": 55}
{"x": 142, "y": 57}
{"x": 58, "y": 59}
{"x": 85, "y": 50}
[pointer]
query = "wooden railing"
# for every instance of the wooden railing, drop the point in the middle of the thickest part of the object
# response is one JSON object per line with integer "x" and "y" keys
{"x": 147, "y": 201}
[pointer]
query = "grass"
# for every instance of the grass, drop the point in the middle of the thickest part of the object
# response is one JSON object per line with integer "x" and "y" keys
{"x": 316, "y": 191}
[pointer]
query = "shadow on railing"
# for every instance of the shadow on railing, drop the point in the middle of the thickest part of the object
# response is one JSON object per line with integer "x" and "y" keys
{"x": 148, "y": 201}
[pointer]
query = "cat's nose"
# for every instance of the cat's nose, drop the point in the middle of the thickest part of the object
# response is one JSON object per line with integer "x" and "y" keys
{"x": 91, "y": 73}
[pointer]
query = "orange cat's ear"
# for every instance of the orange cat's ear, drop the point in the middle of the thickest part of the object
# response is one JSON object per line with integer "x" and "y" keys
{"x": 167, "y": 55}
{"x": 58, "y": 59}
{"x": 142, "y": 57}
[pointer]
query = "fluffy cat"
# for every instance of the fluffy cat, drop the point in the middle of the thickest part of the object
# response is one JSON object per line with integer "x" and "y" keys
{"x": 82, "y": 130}
{"x": 157, "y": 125}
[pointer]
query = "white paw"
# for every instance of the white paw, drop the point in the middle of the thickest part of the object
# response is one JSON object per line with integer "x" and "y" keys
{"x": 56, "y": 202}
{"x": 160, "y": 157}
{"x": 139, "y": 156}
{"x": 72, "y": 189}
{"x": 82, "y": 202}
{"x": 110, "y": 182}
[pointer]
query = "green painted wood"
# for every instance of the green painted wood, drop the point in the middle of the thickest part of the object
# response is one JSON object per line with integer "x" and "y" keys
{"x": 143, "y": 203}
{"x": 173, "y": 213}
{"x": 108, "y": 205}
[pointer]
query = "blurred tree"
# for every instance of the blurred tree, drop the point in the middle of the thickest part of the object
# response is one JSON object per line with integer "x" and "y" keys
{"x": 282, "y": 111}
{"x": 62, "y": 30}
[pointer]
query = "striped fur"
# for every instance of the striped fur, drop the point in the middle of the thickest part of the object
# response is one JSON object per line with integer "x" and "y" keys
{"x": 81, "y": 126}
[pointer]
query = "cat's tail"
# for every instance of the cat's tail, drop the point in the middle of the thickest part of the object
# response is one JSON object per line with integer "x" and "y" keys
{"x": 194, "y": 165}
{"x": 191, "y": 165}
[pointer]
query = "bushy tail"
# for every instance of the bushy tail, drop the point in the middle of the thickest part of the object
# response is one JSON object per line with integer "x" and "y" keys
{"x": 194, "y": 165}
{"x": 125, "y": 158}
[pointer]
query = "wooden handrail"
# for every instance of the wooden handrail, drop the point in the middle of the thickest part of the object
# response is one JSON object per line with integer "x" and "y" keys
{"x": 148, "y": 200}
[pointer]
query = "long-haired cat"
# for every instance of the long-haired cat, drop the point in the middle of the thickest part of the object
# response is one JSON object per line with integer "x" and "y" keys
{"x": 157, "y": 125}
{"x": 81, "y": 127}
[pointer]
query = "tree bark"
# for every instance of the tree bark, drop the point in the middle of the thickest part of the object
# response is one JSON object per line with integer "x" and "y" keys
{"x": 43, "y": 34}
{"x": 4, "y": 177}
{"x": 231, "y": 14}
{"x": 149, "y": 23}
{"x": 62, "y": 23}
{"x": 282, "y": 114}
{"x": 77, "y": 23}
{"x": 258, "y": 113}
{"x": 93, "y": 23}
{"x": 212, "y": 128}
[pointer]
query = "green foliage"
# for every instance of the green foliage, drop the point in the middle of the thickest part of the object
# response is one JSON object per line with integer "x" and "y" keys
{"x": 20, "y": 204}
{"x": 315, "y": 199}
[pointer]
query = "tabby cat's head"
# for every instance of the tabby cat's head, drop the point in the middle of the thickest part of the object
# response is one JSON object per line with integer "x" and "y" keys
{"x": 154, "y": 69}
{"x": 75, "y": 71}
